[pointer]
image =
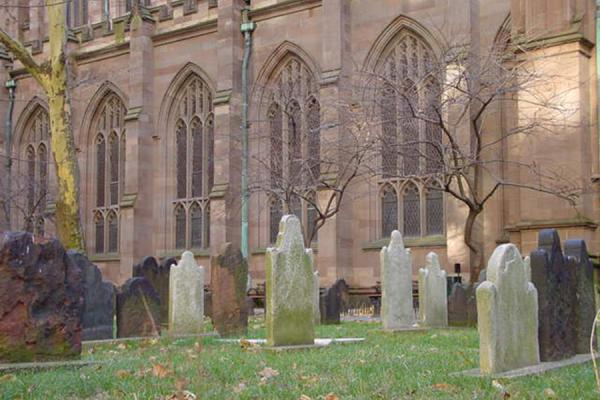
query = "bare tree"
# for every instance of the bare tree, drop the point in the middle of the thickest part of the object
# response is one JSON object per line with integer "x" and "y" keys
{"x": 435, "y": 116}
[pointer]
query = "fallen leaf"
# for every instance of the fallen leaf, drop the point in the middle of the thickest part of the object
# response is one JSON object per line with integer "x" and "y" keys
{"x": 159, "y": 371}
{"x": 185, "y": 395}
{"x": 304, "y": 397}
{"x": 444, "y": 386}
{"x": 267, "y": 374}
{"x": 122, "y": 346}
{"x": 122, "y": 374}
{"x": 7, "y": 378}
{"x": 503, "y": 392}
{"x": 247, "y": 345}
{"x": 142, "y": 372}
{"x": 331, "y": 396}
{"x": 240, "y": 387}
{"x": 549, "y": 393}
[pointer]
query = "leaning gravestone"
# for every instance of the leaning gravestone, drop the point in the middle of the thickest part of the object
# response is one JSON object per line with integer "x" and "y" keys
{"x": 138, "y": 309}
{"x": 186, "y": 291}
{"x": 585, "y": 307}
{"x": 289, "y": 288}
{"x": 229, "y": 275}
{"x": 554, "y": 279}
{"x": 99, "y": 300}
{"x": 396, "y": 285}
{"x": 331, "y": 303}
{"x": 507, "y": 314}
{"x": 433, "y": 305}
{"x": 462, "y": 307}
{"x": 316, "y": 299}
{"x": 158, "y": 275}
{"x": 41, "y": 300}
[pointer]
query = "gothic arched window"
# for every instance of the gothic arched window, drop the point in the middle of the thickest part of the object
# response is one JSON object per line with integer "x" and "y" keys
{"x": 109, "y": 150}
{"x": 34, "y": 183}
{"x": 411, "y": 210}
{"x": 194, "y": 164}
{"x": 389, "y": 211}
{"x": 434, "y": 205}
{"x": 77, "y": 13}
{"x": 293, "y": 113}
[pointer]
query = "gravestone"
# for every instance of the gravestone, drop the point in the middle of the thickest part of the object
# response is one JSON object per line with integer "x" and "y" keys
{"x": 316, "y": 299}
{"x": 397, "y": 310}
{"x": 462, "y": 307}
{"x": 186, "y": 291}
{"x": 158, "y": 275}
{"x": 433, "y": 305}
{"x": 41, "y": 300}
{"x": 99, "y": 300}
{"x": 585, "y": 307}
{"x": 554, "y": 279}
{"x": 138, "y": 309}
{"x": 507, "y": 314}
{"x": 331, "y": 303}
{"x": 229, "y": 275}
{"x": 289, "y": 288}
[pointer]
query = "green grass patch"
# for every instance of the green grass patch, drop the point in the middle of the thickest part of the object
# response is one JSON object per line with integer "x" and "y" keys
{"x": 399, "y": 366}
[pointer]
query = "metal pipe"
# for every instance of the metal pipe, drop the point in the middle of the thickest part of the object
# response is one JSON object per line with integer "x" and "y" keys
{"x": 11, "y": 86}
{"x": 246, "y": 28}
{"x": 598, "y": 77}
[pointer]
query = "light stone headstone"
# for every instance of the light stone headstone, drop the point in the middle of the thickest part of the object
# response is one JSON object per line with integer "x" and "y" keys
{"x": 186, "y": 296}
{"x": 289, "y": 288}
{"x": 433, "y": 287}
{"x": 317, "y": 309}
{"x": 397, "y": 310}
{"x": 507, "y": 314}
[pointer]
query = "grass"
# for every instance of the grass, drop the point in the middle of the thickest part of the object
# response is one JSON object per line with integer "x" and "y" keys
{"x": 402, "y": 366}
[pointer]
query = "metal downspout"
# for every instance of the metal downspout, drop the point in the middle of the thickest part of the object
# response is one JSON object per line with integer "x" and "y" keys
{"x": 246, "y": 28}
{"x": 11, "y": 86}
{"x": 598, "y": 78}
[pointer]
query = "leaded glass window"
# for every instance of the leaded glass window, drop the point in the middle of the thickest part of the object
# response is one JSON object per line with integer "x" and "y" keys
{"x": 389, "y": 211}
{"x": 194, "y": 163}
{"x": 110, "y": 148}
{"x": 434, "y": 203}
{"x": 411, "y": 201}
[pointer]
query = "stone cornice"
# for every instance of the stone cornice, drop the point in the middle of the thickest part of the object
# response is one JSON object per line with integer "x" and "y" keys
{"x": 199, "y": 27}
{"x": 282, "y": 8}
{"x": 558, "y": 223}
{"x": 110, "y": 50}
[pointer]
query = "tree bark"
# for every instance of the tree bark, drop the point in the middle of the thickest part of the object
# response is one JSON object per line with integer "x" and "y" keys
{"x": 474, "y": 244}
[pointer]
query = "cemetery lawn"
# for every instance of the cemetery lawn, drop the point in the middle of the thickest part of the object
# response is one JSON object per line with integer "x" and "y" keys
{"x": 403, "y": 366}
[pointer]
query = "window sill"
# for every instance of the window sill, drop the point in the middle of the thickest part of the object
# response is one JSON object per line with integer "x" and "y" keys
{"x": 105, "y": 257}
{"x": 178, "y": 253}
{"x": 425, "y": 241}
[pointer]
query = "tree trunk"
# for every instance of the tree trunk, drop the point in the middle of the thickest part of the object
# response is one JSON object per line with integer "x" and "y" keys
{"x": 475, "y": 245}
{"x": 68, "y": 218}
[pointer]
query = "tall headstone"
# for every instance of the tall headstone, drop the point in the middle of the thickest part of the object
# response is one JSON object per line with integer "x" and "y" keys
{"x": 186, "y": 291}
{"x": 433, "y": 289}
{"x": 158, "y": 275}
{"x": 585, "y": 307}
{"x": 507, "y": 314}
{"x": 138, "y": 309}
{"x": 289, "y": 288}
{"x": 99, "y": 300}
{"x": 41, "y": 300}
{"x": 316, "y": 299}
{"x": 462, "y": 307}
{"x": 331, "y": 303}
{"x": 554, "y": 279}
{"x": 229, "y": 275}
{"x": 397, "y": 310}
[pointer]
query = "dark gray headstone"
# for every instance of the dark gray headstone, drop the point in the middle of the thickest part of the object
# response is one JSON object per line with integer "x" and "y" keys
{"x": 585, "y": 308}
{"x": 331, "y": 303}
{"x": 554, "y": 278}
{"x": 158, "y": 275}
{"x": 138, "y": 309}
{"x": 462, "y": 305}
{"x": 98, "y": 299}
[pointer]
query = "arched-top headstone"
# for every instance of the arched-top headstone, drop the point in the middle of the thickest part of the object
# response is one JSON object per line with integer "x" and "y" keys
{"x": 289, "y": 287}
{"x": 585, "y": 307}
{"x": 397, "y": 310}
{"x": 158, "y": 275}
{"x": 138, "y": 309}
{"x": 554, "y": 279}
{"x": 186, "y": 292}
{"x": 99, "y": 300}
{"x": 507, "y": 312}
{"x": 433, "y": 306}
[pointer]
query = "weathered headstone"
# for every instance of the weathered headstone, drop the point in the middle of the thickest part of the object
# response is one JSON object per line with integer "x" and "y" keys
{"x": 397, "y": 310}
{"x": 507, "y": 314}
{"x": 289, "y": 288}
{"x": 331, "y": 303}
{"x": 138, "y": 309}
{"x": 462, "y": 307}
{"x": 554, "y": 279}
{"x": 99, "y": 300}
{"x": 41, "y": 300}
{"x": 316, "y": 299}
{"x": 585, "y": 307}
{"x": 433, "y": 305}
{"x": 229, "y": 275}
{"x": 158, "y": 275}
{"x": 186, "y": 291}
